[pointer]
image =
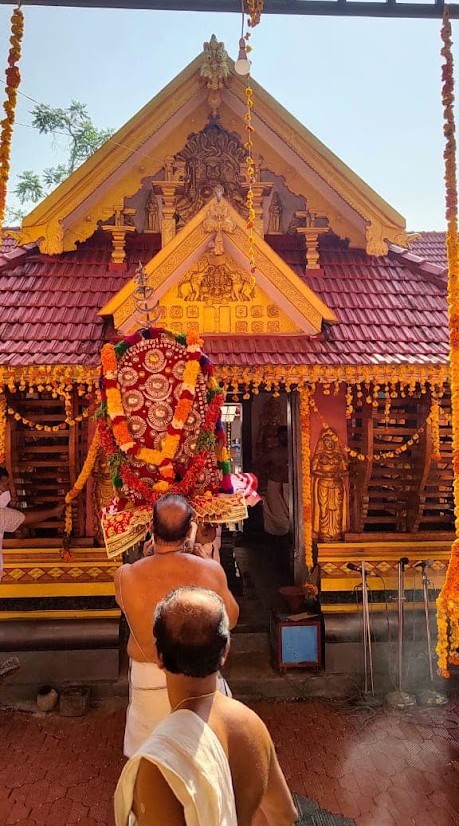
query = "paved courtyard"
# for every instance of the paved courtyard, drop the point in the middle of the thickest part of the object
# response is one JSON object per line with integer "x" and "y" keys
{"x": 376, "y": 768}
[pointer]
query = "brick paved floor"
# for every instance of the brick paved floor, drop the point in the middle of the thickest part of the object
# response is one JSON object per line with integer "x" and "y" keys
{"x": 379, "y": 768}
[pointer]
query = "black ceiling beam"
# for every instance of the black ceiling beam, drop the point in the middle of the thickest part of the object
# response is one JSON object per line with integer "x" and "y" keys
{"x": 323, "y": 8}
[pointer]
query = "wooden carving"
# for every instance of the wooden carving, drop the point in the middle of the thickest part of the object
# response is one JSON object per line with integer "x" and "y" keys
{"x": 329, "y": 471}
{"x": 211, "y": 158}
{"x": 215, "y": 72}
{"x": 215, "y": 281}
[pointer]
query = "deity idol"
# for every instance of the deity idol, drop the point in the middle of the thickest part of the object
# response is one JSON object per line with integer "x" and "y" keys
{"x": 329, "y": 470}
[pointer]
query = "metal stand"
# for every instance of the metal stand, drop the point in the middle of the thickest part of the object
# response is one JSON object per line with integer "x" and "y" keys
{"x": 369, "y": 689}
{"x": 400, "y": 698}
{"x": 429, "y": 697}
{"x": 367, "y": 651}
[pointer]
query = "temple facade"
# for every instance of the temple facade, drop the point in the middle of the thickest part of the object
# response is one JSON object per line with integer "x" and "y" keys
{"x": 339, "y": 332}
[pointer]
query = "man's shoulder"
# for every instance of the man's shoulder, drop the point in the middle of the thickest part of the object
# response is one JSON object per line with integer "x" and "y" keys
{"x": 246, "y": 721}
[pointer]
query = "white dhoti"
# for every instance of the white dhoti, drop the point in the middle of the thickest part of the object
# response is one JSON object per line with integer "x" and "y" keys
{"x": 148, "y": 703}
{"x": 276, "y": 513}
{"x": 192, "y": 761}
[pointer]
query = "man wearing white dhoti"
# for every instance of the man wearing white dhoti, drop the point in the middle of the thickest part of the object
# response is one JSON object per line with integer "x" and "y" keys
{"x": 139, "y": 587}
{"x": 212, "y": 761}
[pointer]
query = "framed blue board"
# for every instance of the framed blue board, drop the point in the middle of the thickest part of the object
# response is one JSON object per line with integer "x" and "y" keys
{"x": 296, "y": 644}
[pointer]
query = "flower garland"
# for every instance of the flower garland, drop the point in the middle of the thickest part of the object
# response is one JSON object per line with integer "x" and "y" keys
{"x": 119, "y": 445}
{"x": 306, "y": 476}
{"x": 13, "y": 79}
{"x": 434, "y": 420}
{"x": 83, "y": 477}
{"x": 55, "y": 378}
{"x": 448, "y": 600}
{"x": 375, "y": 457}
{"x": 122, "y": 473}
{"x": 175, "y": 432}
{"x": 251, "y": 179}
{"x": 2, "y": 428}
{"x": 407, "y": 377}
{"x": 254, "y": 8}
{"x": 47, "y": 428}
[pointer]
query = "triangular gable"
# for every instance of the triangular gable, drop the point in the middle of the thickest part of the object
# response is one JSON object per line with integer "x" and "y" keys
{"x": 216, "y": 232}
{"x": 72, "y": 212}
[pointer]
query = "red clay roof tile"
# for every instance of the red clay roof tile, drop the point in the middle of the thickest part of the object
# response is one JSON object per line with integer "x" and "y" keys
{"x": 389, "y": 310}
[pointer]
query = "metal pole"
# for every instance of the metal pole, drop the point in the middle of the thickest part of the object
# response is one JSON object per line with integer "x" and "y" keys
{"x": 401, "y": 619}
{"x": 368, "y": 656}
{"x": 430, "y": 696}
{"x": 400, "y": 699}
{"x": 425, "y": 592}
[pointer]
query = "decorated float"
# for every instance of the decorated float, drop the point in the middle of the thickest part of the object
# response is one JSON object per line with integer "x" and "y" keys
{"x": 159, "y": 431}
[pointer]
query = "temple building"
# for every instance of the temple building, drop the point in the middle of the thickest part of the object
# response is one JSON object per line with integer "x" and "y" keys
{"x": 339, "y": 334}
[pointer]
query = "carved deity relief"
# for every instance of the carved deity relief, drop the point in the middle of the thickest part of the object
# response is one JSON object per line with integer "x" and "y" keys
{"x": 211, "y": 158}
{"x": 216, "y": 281}
{"x": 275, "y": 215}
{"x": 151, "y": 214}
{"x": 329, "y": 471}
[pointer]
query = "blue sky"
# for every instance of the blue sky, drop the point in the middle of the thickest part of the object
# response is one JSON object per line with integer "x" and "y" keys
{"x": 369, "y": 89}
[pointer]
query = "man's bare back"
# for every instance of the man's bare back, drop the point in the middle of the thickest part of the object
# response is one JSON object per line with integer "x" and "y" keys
{"x": 140, "y": 586}
{"x": 261, "y": 793}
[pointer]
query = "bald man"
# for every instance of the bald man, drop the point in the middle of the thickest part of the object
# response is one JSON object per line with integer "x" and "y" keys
{"x": 213, "y": 757}
{"x": 139, "y": 588}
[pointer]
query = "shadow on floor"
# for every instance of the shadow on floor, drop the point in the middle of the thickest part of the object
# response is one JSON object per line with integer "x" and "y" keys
{"x": 312, "y": 815}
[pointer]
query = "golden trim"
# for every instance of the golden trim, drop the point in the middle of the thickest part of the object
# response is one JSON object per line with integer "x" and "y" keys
{"x": 348, "y": 582}
{"x": 49, "y": 589}
{"x": 166, "y": 267}
{"x": 44, "y": 221}
{"x": 83, "y": 613}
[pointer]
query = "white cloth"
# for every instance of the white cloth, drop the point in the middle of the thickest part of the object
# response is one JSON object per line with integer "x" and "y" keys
{"x": 276, "y": 512}
{"x": 148, "y": 703}
{"x": 10, "y": 520}
{"x": 195, "y": 766}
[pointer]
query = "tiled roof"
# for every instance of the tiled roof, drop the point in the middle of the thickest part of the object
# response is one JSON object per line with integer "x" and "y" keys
{"x": 431, "y": 246}
{"x": 6, "y": 243}
{"x": 49, "y": 304}
{"x": 390, "y": 310}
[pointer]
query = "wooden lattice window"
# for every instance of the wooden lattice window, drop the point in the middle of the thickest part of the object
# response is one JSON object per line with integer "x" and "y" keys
{"x": 45, "y": 464}
{"x": 409, "y": 492}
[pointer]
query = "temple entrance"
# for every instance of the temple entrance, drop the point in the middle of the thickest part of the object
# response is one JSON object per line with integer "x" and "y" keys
{"x": 261, "y": 437}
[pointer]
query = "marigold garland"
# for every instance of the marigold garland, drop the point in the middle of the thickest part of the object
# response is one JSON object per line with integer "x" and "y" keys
{"x": 175, "y": 432}
{"x": 306, "y": 475}
{"x": 448, "y": 600}
{"x": 251, "y": 179}
{"x": 13, "y": 79}
{"x": 83, "y": 477}
{"x": 2, "y": 428}
{"x": 254, "y": 9}
{"x": 375, "y": 457}
{"x": 68, "y": 422}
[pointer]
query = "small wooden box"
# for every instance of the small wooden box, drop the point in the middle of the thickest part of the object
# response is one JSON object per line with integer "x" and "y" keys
{"x": 296, "y": 643}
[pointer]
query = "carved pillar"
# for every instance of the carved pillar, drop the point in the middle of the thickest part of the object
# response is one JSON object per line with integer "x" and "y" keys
{"x": 168, "y": 189}
{"x": 124, "y": 223}
{"x": 312, "y": 231}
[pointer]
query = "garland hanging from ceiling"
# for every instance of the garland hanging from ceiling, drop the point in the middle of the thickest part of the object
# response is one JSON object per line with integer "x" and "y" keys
{"x": 448, "y": 601}
{"x": 13, "y": 79}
